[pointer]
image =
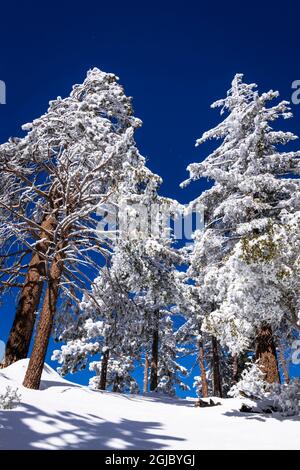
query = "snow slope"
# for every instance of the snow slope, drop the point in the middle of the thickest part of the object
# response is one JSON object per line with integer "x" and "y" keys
{"x": 63, "y": 415}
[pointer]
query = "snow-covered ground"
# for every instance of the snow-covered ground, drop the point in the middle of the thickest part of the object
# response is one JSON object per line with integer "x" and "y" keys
{"x": 63, "y": 415}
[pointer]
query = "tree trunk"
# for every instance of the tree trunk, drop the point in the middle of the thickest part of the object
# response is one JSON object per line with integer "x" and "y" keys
{"x": 204, "y": 385}
{"x": 19, "y": 339}
{"x": 217, "y": 386}
{"x": 18, "y": 342}
{"x": 116, "y": 386}
{"x": 103, "y": 374}
{"x": 146, "y": 370}
{"x": 285, "y": 369}
{"x": 154, "y": 358}
{"x": 235, "y": 369}
{"x": 266, "y": 354}
{"x": 35, "y": 368}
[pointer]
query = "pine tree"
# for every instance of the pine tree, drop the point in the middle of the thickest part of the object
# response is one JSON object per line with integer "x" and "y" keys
{"x": 170, "y": 372}
{"x": 239, "y": 261}
{"x": 130, "y": 298}
{"x": 18, "y": 342}
{"x": 146, "y": 373}
{"x": 119, "y": 377}
{"x": 203, "y": 377}
{"x": 81, "y": 152}
{"x": 23, "y": 245}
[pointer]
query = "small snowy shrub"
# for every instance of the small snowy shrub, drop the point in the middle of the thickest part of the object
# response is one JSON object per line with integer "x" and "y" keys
{"x": 282, "y": 398}
{"x": 286, "y": 398}
{"x": 9, "y": 398}
{"x": 251, "y": 384}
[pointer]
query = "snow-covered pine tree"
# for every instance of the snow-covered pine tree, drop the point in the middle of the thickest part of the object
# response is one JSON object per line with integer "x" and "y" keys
{"x": 22, "y": 265}
{"x": 74, "y": 159}
{"x": 119, "y": 378}
{"x": 240, "y": 262}
{"x": 107, "y": 324}
{"x": 134, "y": 293}
{"x": 215, "y": 364}
{"x": 154, "y": 285}
{"x": 210, "y": 357}
{"x": 171, "y": 373}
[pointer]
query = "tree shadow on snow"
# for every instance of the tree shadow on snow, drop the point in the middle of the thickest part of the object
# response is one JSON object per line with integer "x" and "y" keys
{"x": 32, "y": 428}
{"x": 45, "y": 384}
{"x": 159, "y": 398}
{"x": 260, "y": 416}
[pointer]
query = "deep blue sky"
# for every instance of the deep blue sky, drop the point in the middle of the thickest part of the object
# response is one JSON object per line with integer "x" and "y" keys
{"x": 174, "y": 58}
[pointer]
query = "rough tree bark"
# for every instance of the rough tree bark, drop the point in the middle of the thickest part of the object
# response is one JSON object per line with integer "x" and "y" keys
{"x": 19, "y": 339}
{"x": 283, "y": 362}
{"x": 201, "y": 358}
{"x": 154, "y": 358}
{"x": 266, "y": 354}
{"x": 217, "y": 385}
{"x": 146, "y": 371}
{"x": 235, "y": 369}
{"x": 35, "y": 368}
{"x": 103, "y": 374}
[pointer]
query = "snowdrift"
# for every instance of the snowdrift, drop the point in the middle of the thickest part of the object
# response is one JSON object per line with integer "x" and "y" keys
{"x": 63, "y": 415}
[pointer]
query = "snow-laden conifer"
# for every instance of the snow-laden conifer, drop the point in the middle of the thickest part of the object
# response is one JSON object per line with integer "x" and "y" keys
{"x": 242, "y": 262}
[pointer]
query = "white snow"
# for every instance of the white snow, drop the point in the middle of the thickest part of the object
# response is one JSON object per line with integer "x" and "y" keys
{"x": 63, "y": 415}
